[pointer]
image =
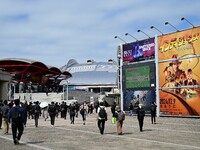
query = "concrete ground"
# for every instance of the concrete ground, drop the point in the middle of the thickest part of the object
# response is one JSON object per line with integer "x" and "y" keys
{"x": 168, "y": 134}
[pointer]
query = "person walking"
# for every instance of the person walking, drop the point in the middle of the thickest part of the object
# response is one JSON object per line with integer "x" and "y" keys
{"x": 72, "y": 113}
{"x": 113, "y": 109}
{"x": 101, "y": 117}
{"x": 83, "y": 111}
{"x": 153, "y": 112}
{"x": 5, "y": 110}
{"x": 77, "y": 109}
{"x": 37, "y": 112}
{"x": 25, "y": 106}
{"x": 63, "y": 110}
{"x": 52, "y": 113}
{"x": 17, "y": 118}
{"x": 140, "y": 116}
{"x": 120, "y": 115}
{"x": 131, "y": 109}
{"x": 30, "y": 110}
{"x": 45, "y": 113}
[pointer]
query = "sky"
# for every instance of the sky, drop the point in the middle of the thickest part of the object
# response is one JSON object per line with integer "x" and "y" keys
{"x": 55, "y": 31}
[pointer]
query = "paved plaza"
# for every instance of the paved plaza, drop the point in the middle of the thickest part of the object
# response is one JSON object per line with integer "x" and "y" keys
{"x": 168, "y": 134}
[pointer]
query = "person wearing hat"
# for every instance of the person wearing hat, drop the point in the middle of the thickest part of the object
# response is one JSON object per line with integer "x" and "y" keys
{"x": 176, "y": 76}
{"x": 177, "y": 73}
{"x": 140, "y": 116}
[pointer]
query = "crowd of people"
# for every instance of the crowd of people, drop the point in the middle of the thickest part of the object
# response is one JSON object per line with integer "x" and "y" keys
{"x": 17, "y": 114}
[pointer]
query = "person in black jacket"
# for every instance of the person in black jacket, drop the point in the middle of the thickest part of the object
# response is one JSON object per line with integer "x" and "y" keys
{"x": 140, "y": 116}
{"x": 153, "y": 112}
{"x": 131, "y": 109}
{"x": 17, "y": 117}
{"x": 37, "y": 112}
{"x": 72, "y": 112}
{"x": 101, "y": 117}
{"x": 63, "y": 109}
{"x": 52, "y": 113}
{"x": 5, "y": 110}
{"x": 113, "y": 109}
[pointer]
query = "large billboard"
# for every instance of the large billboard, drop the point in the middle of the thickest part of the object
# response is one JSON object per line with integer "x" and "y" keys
{"x": 138, "y": 84}
{"x": 179, "y": 73}
{"x": 139, "y": 51}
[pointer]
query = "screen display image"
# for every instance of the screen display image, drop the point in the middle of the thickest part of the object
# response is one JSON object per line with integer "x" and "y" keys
{"x": 139, "y": 51}
{"x": 138, "y": 77}
{"x": 145, "y": 97}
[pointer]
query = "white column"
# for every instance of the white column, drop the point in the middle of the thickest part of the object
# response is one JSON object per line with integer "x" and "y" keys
{"x": 121, "y": 90}
{"x": 67, "y": 90}
{"x": 63, "y": 91}
{"x": 157, "y": 77}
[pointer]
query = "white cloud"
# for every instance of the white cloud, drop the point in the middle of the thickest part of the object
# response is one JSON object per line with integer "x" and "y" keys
{"x": 55, "y": 31}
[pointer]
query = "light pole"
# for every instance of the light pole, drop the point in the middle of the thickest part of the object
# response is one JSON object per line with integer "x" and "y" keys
{"x": 152, "y": 27}
{"x": 67, "y": 90}
{"x": 167, "y": 23}
{"x": 131, "y": 36}
{"x": 117, "y": 37}
{"x": 66, "y": 83}
{"x": 63, "y": 91}
{"x": 188, "y": 22}
{"x": 144, "y": 33}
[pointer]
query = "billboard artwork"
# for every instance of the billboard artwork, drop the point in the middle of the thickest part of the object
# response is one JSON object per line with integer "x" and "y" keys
{"x": 179, "y": 72}
{"x": 138, "y": 51}
{"x": 145, "y": 97}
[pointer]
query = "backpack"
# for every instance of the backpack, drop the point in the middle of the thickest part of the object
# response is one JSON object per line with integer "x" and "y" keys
{"x": 102, "y": 113}
{"x": 15, "y": 114}
{"x": 62, "y": 106}
{"x": 121, "y": 116}
{"x": 37, "y": 109}
{"x": 52, "y": 109}
{"x": 5, "y": 113}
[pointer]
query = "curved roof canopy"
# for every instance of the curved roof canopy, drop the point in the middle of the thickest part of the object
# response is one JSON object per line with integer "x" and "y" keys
{"x": 26, "y": 70}
{"x": 92, "y": 73}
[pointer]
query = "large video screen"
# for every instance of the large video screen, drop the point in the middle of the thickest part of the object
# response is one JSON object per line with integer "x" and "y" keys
{"x": 139, "y": 51}
{"x": 139, "y": 76}
{"x": 145, "y": 97}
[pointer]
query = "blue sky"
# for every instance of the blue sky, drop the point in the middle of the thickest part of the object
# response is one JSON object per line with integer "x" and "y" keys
{"x": 55, "y": 31}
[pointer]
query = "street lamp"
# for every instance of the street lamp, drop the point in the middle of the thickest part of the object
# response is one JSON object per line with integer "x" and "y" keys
{"x": 117, "y": 37}
{"x": 131, "y": 36}
{"x": 143, "y": 33}
{"x": 152, "y": 27}
{"x": 188, "y": 22}
{"x": 166, "y": 23}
